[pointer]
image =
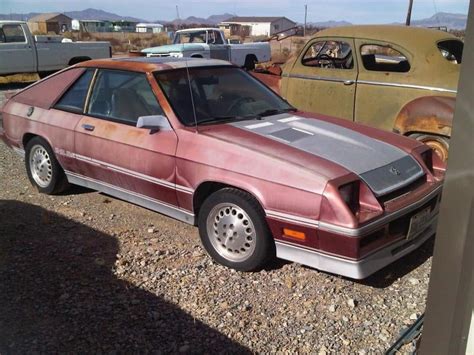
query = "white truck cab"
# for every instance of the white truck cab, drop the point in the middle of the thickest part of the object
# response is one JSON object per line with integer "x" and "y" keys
{"x": 21, "y": 52}
{"x": 211, "y": 43}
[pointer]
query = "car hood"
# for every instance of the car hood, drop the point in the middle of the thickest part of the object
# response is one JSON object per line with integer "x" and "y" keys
{"x": 382, "y": 166}
{"x": 173, "y": 48}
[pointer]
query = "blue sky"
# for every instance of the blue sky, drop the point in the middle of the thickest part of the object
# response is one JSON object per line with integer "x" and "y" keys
{"x": 356, "y": 11}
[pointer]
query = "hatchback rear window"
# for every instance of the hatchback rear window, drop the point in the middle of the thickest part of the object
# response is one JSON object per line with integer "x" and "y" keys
{"x": 451, "y": 49}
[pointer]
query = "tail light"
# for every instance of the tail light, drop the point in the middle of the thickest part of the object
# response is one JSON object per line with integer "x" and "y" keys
{"x": 350, "y": 195}
{"x": 427, "y": 157}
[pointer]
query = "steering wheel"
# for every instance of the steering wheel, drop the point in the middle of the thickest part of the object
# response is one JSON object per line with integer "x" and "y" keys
{"x": 238, "y": 102}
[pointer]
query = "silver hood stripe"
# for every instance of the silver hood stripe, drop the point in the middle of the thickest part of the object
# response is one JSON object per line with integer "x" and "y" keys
{"x": 382, "y": 166}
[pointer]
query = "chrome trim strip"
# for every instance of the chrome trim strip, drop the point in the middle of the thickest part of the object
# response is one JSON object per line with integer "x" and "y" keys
{"x": 353, "y": 232}
{"x": 19, "y": 151}
{"x": 409, "y": 86}
{"x": 315, "y": 77}
{"x": 130, "y": 196}
{"x": 292, "y": 218}
{"x": 356, "y": 269}
{"x": 128, "y": 172}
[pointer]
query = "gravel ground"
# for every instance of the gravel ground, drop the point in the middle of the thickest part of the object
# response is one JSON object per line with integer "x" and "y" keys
{"x": 84, "y": 272}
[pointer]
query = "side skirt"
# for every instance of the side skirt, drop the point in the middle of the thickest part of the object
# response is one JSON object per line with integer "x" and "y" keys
{"x": 133, "y": 197}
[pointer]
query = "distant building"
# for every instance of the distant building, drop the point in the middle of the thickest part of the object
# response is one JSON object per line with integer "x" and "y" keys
{"x": 50, "y": 23}
{"x": 124, "y": 26}
{"x": 92, "y": 25}
{"x": 149, "y": 28}
{"x": 255, "y": 26}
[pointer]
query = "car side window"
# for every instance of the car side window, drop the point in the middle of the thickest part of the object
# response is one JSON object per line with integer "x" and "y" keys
{"x": 216, "y": 38}
{"x": 12, "y": 34}
{"x": 123, "y": 97}
{"x": 383, "y": 58}
{"x": 75, "y": 97}
{"x": 329, "y": 54}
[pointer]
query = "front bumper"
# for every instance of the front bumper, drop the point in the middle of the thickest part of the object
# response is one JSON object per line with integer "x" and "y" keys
{"x": 355, "y": 269}
{"x": 385, "y": 248}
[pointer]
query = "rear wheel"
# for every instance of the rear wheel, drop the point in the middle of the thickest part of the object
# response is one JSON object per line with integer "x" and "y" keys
{"x": 234, "y": 232}
{"x": 42, "y": 167}
{"x": 250, "y": 62}
{"x": 439, "y": 144}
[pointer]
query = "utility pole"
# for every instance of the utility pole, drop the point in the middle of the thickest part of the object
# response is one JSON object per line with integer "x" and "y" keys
{"x": 305, "y": 16}
{"x": 177, "y": 16}
{"x": 410, "y": 7}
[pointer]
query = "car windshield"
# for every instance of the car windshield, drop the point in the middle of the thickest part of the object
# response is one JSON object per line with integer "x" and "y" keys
{"x": 219, "y": 94}
{"x": 190, "y": 37}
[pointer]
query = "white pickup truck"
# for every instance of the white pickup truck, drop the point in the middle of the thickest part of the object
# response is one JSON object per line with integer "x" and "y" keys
{"x": 21, "y": 52}
{"x": 211, "y": 43}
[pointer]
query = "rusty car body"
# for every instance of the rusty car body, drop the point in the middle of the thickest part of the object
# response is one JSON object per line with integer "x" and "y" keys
{"x": 390, "y": 77}
{"x": 206, "y": 143}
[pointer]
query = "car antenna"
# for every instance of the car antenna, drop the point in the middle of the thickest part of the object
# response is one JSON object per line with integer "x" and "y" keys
{"x": 191, "y": 93}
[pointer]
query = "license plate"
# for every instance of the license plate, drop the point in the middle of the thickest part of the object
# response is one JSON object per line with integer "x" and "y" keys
{"x": 418, "y": 223}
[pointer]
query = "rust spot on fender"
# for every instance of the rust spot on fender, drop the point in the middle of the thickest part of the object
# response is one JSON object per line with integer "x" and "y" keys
{"x": 432, "y": 114}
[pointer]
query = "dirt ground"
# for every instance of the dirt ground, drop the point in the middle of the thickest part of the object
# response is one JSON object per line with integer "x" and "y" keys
{"x": 84, "y": 272}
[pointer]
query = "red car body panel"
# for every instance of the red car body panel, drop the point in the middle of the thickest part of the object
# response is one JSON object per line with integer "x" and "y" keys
{"x": 296, "y": 189}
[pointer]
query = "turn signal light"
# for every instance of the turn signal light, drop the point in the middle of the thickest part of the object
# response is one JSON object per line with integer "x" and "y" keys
{"x": 293, "y": 234}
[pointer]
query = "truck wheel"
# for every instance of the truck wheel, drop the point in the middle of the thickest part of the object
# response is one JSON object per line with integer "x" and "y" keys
{"x": 44, "y": 74}
{"x": 234, "y": 232}
{"x": 439, "y": 144}
{"x": 43, "y": 169}
{"x": 250, "y": 61}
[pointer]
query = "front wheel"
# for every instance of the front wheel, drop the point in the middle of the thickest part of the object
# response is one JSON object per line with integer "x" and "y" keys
{"x": 42, "y": 167}
{"x": 439, "y": 144}
{"x": 234, "y": 232}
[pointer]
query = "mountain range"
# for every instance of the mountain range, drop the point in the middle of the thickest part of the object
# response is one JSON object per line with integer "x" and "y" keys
{"x": 450, "y": 20}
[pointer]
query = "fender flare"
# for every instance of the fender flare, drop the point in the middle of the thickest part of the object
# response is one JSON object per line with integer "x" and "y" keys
{"x": 429, "y": 114}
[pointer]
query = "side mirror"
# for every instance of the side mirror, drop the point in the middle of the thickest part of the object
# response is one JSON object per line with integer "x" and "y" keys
{"x": 154, "y": 123}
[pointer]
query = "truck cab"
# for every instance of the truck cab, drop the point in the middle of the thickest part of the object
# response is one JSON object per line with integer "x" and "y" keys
{"x": 210, "y": 43}
{"x": 21, "y": 52}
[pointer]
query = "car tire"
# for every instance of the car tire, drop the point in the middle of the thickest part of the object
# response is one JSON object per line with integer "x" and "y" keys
{"x": 42, "y": 167}
{"x": 234, "y": 232}
{"x": 439, "y": 144}
{"x": 250, "y": 61}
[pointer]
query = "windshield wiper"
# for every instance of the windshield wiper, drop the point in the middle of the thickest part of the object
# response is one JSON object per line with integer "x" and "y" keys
{"x": 225, "y": 119}
{"x": 273, "y": 111}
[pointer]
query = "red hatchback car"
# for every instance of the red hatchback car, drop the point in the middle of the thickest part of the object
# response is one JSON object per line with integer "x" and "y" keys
{"x": 204, "y": 142}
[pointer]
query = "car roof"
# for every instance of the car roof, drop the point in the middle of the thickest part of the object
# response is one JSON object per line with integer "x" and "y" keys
{"x": 197, "y": 29}
{"x": 403, "y": 35}
{"x": 12, "y": 22}
{"x": 151, "y": 64}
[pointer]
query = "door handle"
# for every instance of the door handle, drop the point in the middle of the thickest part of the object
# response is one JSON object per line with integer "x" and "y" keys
{"x": 348, "y": 82}
{"x": 88, "y": 127}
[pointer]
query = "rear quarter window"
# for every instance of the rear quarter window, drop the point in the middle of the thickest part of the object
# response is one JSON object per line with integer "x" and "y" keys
{"x": 451, "y": 50}
{"x": 46, "y": 92}
{"x": 74, "y": 99}
{"x": 377, "y": 57}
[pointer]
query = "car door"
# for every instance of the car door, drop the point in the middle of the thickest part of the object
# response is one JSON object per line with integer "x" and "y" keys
{"x": 115, "y": 156}
{"x": 219, "y": 49}
{"x": 16, "y": 54}
{"x": 385, "y": 72}
{"x": 323, "y": 77}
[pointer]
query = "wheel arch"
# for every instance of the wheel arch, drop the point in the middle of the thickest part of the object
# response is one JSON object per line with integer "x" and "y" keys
{"x": 207, "y": 188}
{"x": 250, "y": 61}
{"x": 29, "y": 136}
{"x": 78, "y": 59}
{"x": 427, "y": 115}
{"x": 196, "y": 55}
